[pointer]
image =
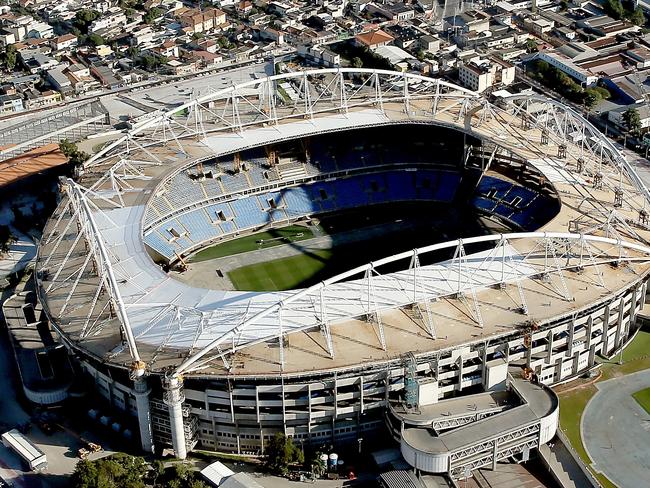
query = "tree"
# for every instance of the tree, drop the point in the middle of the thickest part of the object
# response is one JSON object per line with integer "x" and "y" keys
{"x": 83, "y": 18}
{"x": 615, "y": 8}
{"x": 357, "y": 62}
{"x": 637, "y": 17}
{"x": 604, "y": 92}
{"x": 592, "y": 98}
{"x": 196, "y": 483}
{"x": 95, "y": 40}
{"x": 117, "y": 471}
{"x": 151, "y": 15}
{"x": 71, "y": 151}
{"x": 85, "y": 474}
{"x": 157, "y": 470}
{"x": 318, "y": 466}
{"x": 9, "y": 57}
{"x": 281, "y": 452}
{"x": 531, "y": 46}
{"x": 632, "y": 120}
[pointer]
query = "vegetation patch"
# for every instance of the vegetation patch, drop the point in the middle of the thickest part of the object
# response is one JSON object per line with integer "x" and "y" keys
{"x": 642, "y": 397}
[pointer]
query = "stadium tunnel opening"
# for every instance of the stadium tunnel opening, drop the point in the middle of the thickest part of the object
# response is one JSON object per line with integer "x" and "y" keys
{"x": 306, "y": 210}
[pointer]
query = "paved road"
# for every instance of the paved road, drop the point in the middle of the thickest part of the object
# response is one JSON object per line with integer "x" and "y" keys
{"x": 60, "y": 447}
{"x": 616, "y": 431}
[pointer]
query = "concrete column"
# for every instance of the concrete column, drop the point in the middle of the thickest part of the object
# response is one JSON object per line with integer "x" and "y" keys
{"x": 619, "y": 324}
{"x": 558, "y": 368}
{"x": 592, "y": 355}
{"x": 605, "y": 336}
{"x": 572, "y": 327}
{"x": 494, "y": 455}
{"x": 141, "y": 392}
{"x": 484, "y": 363}
{"x": 633, "y": 301}
{"x": 174, "y": 398}
{"x": 361, "y": 405}
{"x": 590, "y": 325}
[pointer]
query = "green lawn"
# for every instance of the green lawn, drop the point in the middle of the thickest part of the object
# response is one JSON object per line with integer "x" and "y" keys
{"x": 252, "y": 242}
{"x": 573, "y": 403}
{"x": 280, "y": 274}
{"x": 642, "y": 397}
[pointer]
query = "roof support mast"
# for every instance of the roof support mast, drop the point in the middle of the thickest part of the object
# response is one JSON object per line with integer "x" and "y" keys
{"x": 97, "y": 249}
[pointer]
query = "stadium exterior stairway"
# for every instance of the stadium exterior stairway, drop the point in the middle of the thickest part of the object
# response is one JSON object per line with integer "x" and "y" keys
{"x": 565, "y": 469}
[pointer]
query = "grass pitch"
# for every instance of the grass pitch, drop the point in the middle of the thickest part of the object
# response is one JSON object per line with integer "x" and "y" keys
{"x": 261, "y": 240}
{"x": 280, "y": 274}
{"x": 642, "y": 397}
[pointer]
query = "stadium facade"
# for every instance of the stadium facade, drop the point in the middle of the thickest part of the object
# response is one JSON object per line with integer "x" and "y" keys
{"x": 560, "y": 283}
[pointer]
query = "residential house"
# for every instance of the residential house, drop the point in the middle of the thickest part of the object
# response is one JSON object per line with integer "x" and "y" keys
{"x": 373, "y": 39}
{"x": 59, "y": 80}
{"x": 320, "y": 56}
{"x": 429, "y": 43}
{"x": 194, "y": 21}
{"x": 34, "y": 99}
{"x": 392, "y": 11}
{"x": 39, "y": 30}
{"x": 35, "y": 61}
{"x": 11, "y": 103}
{"x": 176, "y": 67}
{"x": 105, "y": 76}
{"x": 480, "y": 74}
{"x": 64, "y": 42}
{"x": 115, "y": 18}
{"x": 205, "y": 59}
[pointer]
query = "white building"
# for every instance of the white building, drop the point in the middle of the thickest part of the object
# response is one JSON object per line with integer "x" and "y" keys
{"x": 567, "y": 66}
{"x": 39, "y": 30}
{"x": 114, "y": 19}
{"x": 480, "y": 74}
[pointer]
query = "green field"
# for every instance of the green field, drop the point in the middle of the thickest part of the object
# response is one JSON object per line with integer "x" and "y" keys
{"x": 358, "y": 237}
{"x": 292, "y": 233}
{"x": 642, "y": 397}
{"x": 280, "y": 274}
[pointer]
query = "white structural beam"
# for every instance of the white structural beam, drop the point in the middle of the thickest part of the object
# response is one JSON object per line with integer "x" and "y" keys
{"x": 236, "y": 94}
{"x": 93, "y": 237}
{"x": 542, "y": 259}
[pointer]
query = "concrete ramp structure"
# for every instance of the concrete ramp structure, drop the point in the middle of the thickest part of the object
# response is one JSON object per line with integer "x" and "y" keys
{"x": 457, "y": 436}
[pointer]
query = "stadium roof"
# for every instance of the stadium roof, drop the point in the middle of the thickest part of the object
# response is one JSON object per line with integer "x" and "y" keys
{"x": 196, "y": 329}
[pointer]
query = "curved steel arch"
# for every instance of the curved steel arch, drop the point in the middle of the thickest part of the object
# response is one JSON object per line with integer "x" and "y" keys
{"x": 616, "y": 156}
{"x": 581, "y": 255}
{"x": 464, "y": 96}
{"x": 165, "y": 116}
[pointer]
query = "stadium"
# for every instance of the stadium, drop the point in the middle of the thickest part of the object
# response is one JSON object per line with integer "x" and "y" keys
{"x": 337, "y": 253}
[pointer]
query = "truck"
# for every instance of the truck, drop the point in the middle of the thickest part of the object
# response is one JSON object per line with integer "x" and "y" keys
{"x": 26, "y": 449}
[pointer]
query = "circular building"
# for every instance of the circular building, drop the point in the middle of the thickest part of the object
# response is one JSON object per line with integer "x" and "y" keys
{"x": 324, "y": 253}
